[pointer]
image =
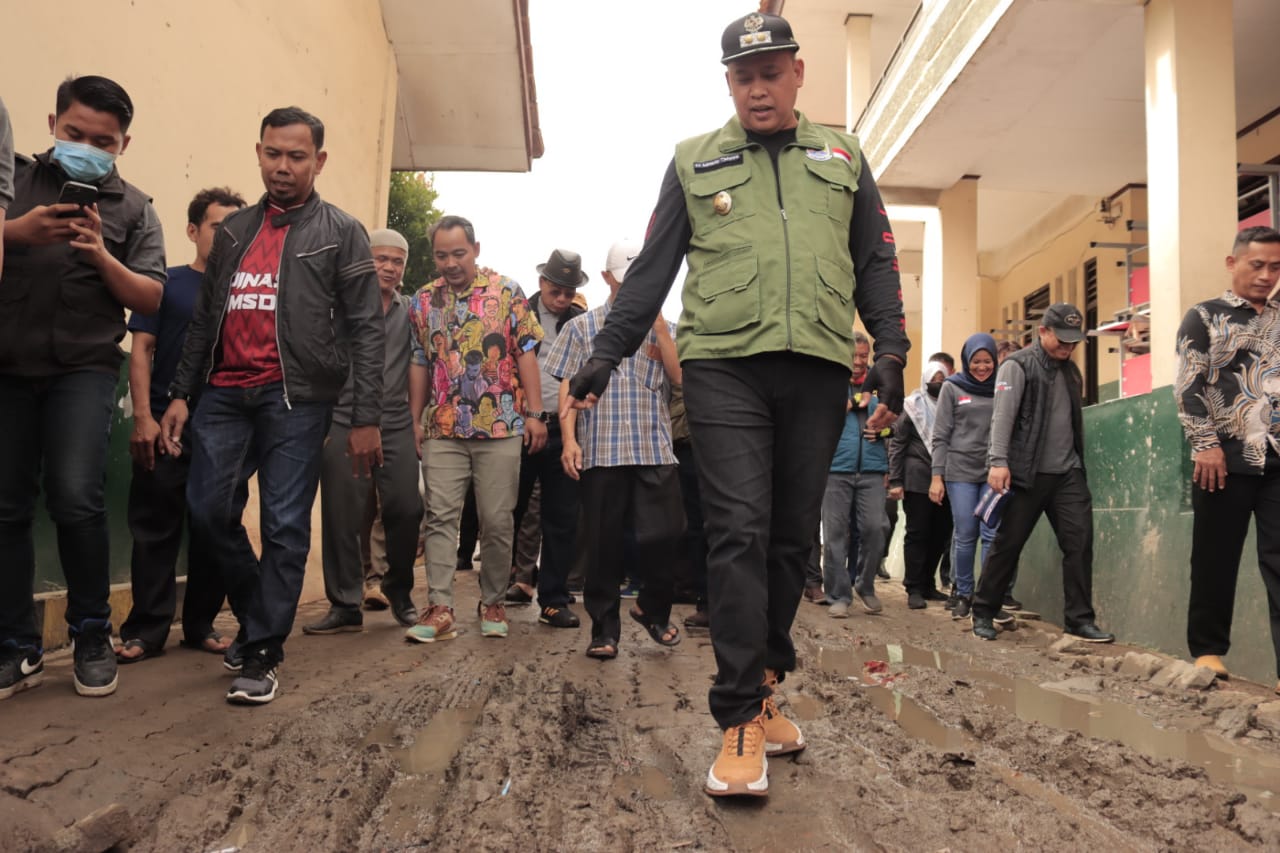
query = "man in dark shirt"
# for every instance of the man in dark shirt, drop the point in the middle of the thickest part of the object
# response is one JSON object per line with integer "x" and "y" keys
{"x": 765, "y": 342}
{"x": 70, "y": 271}
{"x": 158, "y": 491}
{"x": 1228, "y": 397}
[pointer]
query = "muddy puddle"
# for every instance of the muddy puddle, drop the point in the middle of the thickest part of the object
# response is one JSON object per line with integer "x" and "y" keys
{"x": 877, "y": 669}
{"x": 422, "y": 763}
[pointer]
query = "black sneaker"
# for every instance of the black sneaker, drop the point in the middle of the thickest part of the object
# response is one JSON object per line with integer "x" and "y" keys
{"x": 336, "y": 621}
{"x": 984, "y": 629}
{"x": 915, "y": 601}
{"x": 962, "y": 608}
{"x": 558, "y": 617}
{"x": 1011, "y": 603}
{"x": 95, "y": 659}
{"x": 233, "y": 657}
{"x": 952, "y": 600}
{"x": 1091, "y": 633}
{"x": 934, "y": 595}
{"x": 256, "y": 684}
{"x": 402, "y": 608}
{"x": 1003, "y": 617}
{"x": 21, "y": 668}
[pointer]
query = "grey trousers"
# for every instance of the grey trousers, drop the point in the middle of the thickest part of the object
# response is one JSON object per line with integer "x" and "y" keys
{"x": 448, "y": 465}
{"x": 344, "y": 499}
{"x": 862, "y": 494}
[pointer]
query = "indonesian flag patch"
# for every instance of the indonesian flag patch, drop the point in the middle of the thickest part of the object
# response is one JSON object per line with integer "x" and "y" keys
{"x": 842, "y": 154}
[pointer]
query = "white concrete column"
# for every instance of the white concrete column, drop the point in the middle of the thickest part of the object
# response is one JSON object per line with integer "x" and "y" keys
{"x": 961, "y": 296}
{"x": 857, "y": 29}
{"x": 1191, "y": 161}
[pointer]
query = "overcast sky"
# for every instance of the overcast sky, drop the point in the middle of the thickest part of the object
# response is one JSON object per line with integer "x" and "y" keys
{"x": 618, "y": 86}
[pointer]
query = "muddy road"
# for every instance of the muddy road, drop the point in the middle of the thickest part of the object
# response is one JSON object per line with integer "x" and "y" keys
{"x": 921, "y": 738}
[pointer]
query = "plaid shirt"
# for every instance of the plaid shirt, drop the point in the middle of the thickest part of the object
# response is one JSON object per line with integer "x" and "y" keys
{"x": 630, "y": 425}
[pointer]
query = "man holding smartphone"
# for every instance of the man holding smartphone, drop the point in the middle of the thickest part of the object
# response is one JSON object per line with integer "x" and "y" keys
{"x": 68, "y": 279}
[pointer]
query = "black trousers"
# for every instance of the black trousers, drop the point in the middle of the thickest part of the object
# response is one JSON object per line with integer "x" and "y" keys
{"x": 1066, "y": 501}
{"x": 644, "y": 499}
{"x": 559, "y": 517}
{"x": 695, "y": 542}
{"x": 157, "y": 512}
{"x": 469, "y": 528}
{"x": 766, "y": 427}
{"x": 1217, "y": 541}
{"x": 927, "y": 539}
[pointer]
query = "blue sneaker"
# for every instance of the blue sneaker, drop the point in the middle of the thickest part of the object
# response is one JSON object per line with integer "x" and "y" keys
{"x": 21, "y": 668}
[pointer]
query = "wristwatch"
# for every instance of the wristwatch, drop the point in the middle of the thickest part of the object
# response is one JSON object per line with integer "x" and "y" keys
{"x": 539, "y": 414}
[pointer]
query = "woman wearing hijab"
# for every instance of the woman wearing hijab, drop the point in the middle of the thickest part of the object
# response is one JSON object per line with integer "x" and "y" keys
{"x": 961, "y": 431}
{"x": 910, "y": 476}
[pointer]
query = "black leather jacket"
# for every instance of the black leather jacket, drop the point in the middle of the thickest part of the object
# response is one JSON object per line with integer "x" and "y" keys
{"x": 328, "y": 311}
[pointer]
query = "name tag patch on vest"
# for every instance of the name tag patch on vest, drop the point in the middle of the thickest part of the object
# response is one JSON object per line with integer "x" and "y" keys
{"x": 718, "y": 163}
{"x": 819, "y": 154}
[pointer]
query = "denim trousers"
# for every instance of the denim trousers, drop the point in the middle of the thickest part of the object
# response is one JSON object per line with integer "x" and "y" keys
{"x": 243, "y": 431}
{"x": 967, "y": 528}
{"x": 58, "y": 426}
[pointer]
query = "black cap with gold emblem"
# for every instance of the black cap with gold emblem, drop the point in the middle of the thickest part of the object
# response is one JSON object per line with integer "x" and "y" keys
{"x": 1066, "y": 322}
{"x": 756, "y": 33}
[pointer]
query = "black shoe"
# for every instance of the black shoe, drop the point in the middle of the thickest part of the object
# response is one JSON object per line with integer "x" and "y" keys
{"x": 934, "y": 595}
{"x": 983, "y": 628}
{"x": 21, "y": 668}
{"x": 1091, "y": 633}
{"x": 1011, "y": 603}
{"x": 558, "y": 617}
{"x": 402, "y": 608}
{"x": 915, "y": 601}
{"x": 336, "y": 621}
{"x": 95, "y": 659}
{"x": 256, "y": 684}
{"x": 464, "y": 565}
{"x": 233, "y": 657}
{"x": 1003, "y": 617}
{"x": 516, "y": 595}
{"x": 698, "y": 620}
{"x": 952, "y": 600}
{"x": 881, "y": 572}
{"x": 962, "y": 608}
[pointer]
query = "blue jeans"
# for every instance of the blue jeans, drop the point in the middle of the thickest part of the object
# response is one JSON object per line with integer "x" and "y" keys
{"x": 967, "y": 528}
{"x": 61, "y": 424}
{"x": 242, "y": 431}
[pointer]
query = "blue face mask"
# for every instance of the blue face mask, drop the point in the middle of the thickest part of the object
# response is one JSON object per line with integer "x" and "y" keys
{"x": 83, "y": 162}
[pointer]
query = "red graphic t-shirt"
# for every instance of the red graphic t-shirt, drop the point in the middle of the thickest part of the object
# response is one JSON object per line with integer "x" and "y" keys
{"x": 248, "y": 355}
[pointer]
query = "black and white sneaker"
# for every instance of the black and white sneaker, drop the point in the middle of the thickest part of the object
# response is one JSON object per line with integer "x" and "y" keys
{"x": 256, "y": 684}
{"x": 1003, "y": 617}
{"x": 233, "y": 658}
{"x": 95, "y": 659}
{"x": 21, "y": 668}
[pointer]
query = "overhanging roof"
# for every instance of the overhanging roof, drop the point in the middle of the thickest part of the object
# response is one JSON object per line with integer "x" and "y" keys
{"x": 466, "y": 97}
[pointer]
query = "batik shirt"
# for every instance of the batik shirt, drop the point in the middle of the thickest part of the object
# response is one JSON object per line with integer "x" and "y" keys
{"x": 1228, "y": 383}
{"x": 630, "y": 425}
{"x": 469, "y": 341}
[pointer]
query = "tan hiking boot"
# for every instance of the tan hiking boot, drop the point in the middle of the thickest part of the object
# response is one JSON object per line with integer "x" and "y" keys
{"x": 781, "y": 736}
{"x": 1214, "y": 663}
{"x": 436, "y": 623}
{"x": 741, "y": 768}
{"x": 374, "y": 599}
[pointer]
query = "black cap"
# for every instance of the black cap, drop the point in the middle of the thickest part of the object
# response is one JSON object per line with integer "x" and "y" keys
{"x": 1065, "y": 321}
{"x": 756, "y": 33}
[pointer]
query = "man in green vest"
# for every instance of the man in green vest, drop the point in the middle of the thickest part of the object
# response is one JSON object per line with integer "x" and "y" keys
{"x": 777, "y": 219}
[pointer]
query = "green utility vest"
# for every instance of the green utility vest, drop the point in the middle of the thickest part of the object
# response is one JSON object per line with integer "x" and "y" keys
{"x": 769, "y": 264}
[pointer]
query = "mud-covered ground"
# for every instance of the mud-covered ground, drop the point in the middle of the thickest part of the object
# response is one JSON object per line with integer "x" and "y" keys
{"x": 921, "y": 738}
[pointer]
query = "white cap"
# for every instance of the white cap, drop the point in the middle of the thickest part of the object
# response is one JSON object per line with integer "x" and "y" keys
{"x": 621, "y": 254}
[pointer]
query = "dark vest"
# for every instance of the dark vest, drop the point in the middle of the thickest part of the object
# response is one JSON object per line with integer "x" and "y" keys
{"x": 1027, "y": 441}
{"x": 571, "y": 312}
{"x": 56, "y": 314}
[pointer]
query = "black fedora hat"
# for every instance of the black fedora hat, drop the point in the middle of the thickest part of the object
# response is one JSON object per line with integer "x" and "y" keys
{"x": 563, "y": 268}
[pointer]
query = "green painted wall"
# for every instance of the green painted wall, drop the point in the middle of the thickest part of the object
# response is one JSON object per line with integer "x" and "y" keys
{"x": 1139, "y": 470}
{"x": 119, "y": 472}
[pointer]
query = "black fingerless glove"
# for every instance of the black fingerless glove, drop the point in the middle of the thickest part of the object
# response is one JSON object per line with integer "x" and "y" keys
{"x": 593, "y": 378}
{"x": 885, "y": 380}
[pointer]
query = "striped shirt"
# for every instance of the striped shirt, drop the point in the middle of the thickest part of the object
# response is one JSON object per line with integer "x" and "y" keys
{"x": 630, "y": 424}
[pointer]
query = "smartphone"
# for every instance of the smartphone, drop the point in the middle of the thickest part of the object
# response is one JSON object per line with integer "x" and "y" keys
{"x": 74, "y": 192}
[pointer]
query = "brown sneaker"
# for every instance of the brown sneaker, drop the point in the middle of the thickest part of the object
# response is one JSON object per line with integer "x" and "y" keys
{"x": 741, "y": 768}
{"x": 1214, "y": 663}
{"x": 493, "y": 619}
{"x": 781, "y": 736}
{"x": 374, "y": 599}
{"x": 436, "y": 623}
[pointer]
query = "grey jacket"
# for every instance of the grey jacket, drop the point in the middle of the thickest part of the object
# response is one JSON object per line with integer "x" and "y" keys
{"x": 961, "y": 433}
{"x": 1038, "y": 425}
{"x": 395, "y": 372}
{"x": 328, "y": 313}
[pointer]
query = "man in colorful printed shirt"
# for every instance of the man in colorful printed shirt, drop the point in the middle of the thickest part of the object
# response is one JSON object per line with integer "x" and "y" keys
{"x": 1228, "y": 394}
{"x": 470, "y": 436}
{"x": 621, "y": 452}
